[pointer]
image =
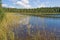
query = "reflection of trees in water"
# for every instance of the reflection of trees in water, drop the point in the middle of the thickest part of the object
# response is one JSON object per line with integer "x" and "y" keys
{"x": 23, "y": 32}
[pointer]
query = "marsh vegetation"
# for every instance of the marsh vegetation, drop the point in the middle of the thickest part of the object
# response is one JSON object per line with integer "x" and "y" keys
{"x": 10, "y": 29}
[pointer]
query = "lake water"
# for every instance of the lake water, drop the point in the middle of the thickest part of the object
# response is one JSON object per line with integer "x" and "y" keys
{"x": 47, "y": 23}
{"x": 39, "y": 24}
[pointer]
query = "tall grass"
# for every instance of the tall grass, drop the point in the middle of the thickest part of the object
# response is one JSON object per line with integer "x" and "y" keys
{"x": 6, "y": 22}
{"x": 5, "y": 33}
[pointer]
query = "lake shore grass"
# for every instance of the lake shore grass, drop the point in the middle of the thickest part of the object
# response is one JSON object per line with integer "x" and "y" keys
{"x": 7, "y": 23}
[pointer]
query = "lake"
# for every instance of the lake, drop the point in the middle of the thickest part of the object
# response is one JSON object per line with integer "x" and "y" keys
{"x": 46, "y": 27}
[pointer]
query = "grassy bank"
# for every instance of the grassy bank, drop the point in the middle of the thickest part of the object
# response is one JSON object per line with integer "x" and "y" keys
{"x": 7, "y": 23}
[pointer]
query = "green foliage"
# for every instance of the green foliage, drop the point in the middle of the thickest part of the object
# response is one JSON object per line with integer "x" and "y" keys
{"x": 36, "y": 10}
{"x": 42, "y": 12}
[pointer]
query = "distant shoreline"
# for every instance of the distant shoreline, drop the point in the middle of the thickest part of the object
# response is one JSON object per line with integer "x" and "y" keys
{"x": 41, "y": 12}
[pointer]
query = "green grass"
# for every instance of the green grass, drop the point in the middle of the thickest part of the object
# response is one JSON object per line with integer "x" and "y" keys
{"x": 6, "y": 24}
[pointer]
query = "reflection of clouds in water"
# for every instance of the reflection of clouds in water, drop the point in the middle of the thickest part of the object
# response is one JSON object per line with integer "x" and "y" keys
{"x": 21, "y": 30}
{"x": 33, "y": 26}
{"x": 24, "y": 21}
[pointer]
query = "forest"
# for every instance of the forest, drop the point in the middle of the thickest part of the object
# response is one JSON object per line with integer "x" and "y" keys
{"x": 42, "y": 12}
{"x": 34, "y": 10}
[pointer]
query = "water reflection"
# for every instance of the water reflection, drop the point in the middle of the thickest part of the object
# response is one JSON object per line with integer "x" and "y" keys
{"x": 39, "y": 28}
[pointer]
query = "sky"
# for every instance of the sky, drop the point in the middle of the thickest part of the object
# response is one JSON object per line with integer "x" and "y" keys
{"x": 30, "y": 3}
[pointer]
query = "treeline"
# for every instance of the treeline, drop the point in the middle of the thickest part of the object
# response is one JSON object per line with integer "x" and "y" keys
{"x": 35, "y": 11}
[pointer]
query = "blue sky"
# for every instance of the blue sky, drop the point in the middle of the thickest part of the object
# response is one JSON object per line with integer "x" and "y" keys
{"x": 30, "y": 3}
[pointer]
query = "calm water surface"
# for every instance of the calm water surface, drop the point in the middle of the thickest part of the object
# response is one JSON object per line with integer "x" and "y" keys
{"x": 48, "y": 23}
{"x": 37, "y": 24}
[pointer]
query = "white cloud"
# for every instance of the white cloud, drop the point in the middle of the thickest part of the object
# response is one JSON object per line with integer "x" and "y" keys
{"x": 5, "y": 5}
{"x": 13, "y": 0}
{"x": 42, "y": 5}
{"x": 21, "y": 3}
{"x": 24, "y": 3}
{"x": 11, "y": 7}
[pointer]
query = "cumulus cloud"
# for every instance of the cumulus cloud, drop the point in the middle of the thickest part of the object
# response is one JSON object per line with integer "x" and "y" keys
{"x": 11, "y": 7}
{"x": 42, "y": 5}
{"x": 24, "y": 3}
{"x": 13, "y": 0}
{"x": 5, "y": 5}
{"x": 19, "y": 3}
